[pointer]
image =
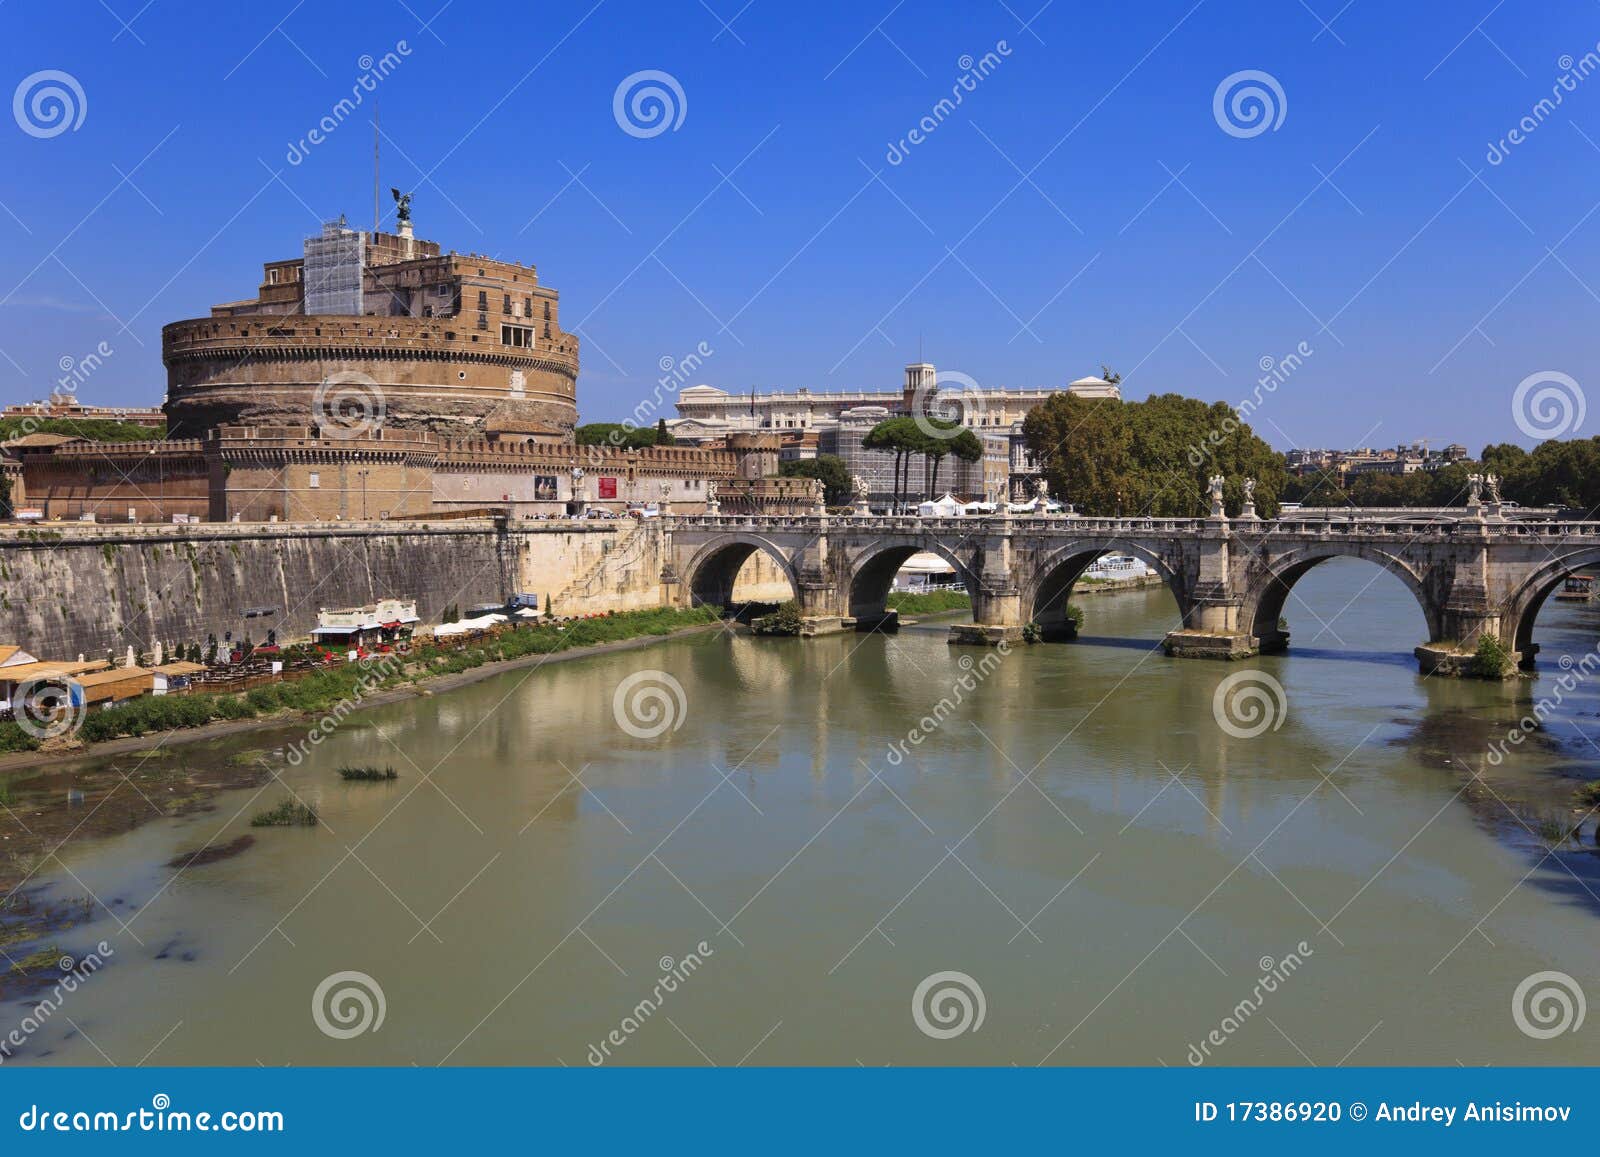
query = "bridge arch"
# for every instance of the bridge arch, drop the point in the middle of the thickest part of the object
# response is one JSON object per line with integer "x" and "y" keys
{"x": 871, "y": 574}
{"x": 1268, "y": 588}
{"x": 1523, "y": 606}
{"x": 1044, "y": 595}
{"x": 712, "y": 571}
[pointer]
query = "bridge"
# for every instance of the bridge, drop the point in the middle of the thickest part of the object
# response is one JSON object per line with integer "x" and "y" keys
{"x": 1474, "y": 571}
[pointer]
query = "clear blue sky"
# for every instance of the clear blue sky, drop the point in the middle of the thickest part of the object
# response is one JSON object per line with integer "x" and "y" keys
{"x": 758, "y": 225}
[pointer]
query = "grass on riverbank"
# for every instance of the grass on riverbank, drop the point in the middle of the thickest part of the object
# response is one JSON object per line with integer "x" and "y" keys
{"x": 321, "y": 691}
{"x": 928, "y": 603}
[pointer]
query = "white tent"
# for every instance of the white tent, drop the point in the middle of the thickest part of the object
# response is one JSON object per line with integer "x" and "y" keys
{"x": 946, "y": 507}
{"x": 464, "y": 626}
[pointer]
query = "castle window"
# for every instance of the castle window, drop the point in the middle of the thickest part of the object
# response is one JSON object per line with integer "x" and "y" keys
{"x": 507, "y": 307}
{"x": 519, "y": 336}
{"x": 483, "y": 322}
{"x": 547, "y": 311}
{"x": 483, "y": 299}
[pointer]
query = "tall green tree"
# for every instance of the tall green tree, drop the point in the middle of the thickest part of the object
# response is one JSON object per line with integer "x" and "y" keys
{"x": 902, "y": 438}
{"x": 837, "y": 485}
{"x": 1150, "y": 458}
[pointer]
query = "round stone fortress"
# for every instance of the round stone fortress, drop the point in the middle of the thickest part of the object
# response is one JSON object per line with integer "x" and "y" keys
{"x": 380, "y": 329}
{"x": 416, "y": 374}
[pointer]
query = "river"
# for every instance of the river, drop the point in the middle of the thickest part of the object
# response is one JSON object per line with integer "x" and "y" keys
{"x": 1121, "y": 879}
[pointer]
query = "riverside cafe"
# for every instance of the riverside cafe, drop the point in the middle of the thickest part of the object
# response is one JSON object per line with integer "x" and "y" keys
{"x": 373, "y": 628}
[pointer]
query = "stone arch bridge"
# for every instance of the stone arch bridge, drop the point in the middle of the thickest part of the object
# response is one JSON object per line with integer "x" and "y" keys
{"x": 1471, "y": 571}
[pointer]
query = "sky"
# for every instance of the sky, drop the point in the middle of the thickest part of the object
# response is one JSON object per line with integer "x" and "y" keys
{"x": 1094, "y": 198}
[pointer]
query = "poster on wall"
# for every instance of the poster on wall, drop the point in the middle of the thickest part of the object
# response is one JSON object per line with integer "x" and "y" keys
{"x": 544, "y": 486}
{"x": 608, "y": 487}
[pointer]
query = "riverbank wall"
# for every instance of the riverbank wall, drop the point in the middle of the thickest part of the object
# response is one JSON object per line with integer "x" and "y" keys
{"x": 87, "y": 589}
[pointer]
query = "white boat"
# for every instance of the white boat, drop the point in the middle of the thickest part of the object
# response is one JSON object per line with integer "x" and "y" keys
{"x": 1117, "y": 566}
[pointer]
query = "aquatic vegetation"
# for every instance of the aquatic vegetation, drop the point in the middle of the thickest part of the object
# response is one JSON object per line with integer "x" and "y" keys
{"x": 368, "y": 773}
{"x": 287, "y": 814}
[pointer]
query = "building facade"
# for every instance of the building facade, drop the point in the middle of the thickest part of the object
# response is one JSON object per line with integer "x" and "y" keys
{"x": 839, "y": 421}
{"x": 367, "y": 326}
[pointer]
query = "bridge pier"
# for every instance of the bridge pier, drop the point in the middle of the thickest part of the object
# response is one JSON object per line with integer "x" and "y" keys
{"x": 996, "y": 619}
{"x": 1212, "y": 623}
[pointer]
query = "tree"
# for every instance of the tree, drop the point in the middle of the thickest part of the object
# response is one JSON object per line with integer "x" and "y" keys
{"x": 837, "y": 485}
{"x": 663, "y": 435}
{"x": 1151, "y": 458}
{"x": 962, "y": 443}
{"x": 902, "y": 438}
{"x": 615, "y": 434}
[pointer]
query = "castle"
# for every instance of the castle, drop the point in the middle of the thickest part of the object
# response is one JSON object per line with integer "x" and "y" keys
{"x": 376, "y": 377}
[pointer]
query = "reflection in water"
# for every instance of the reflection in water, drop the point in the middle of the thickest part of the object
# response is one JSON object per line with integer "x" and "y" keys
{"x": 1077, "y": 835}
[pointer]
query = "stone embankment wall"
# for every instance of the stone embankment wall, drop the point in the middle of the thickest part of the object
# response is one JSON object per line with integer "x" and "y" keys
{"x": 67, "y": 590}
